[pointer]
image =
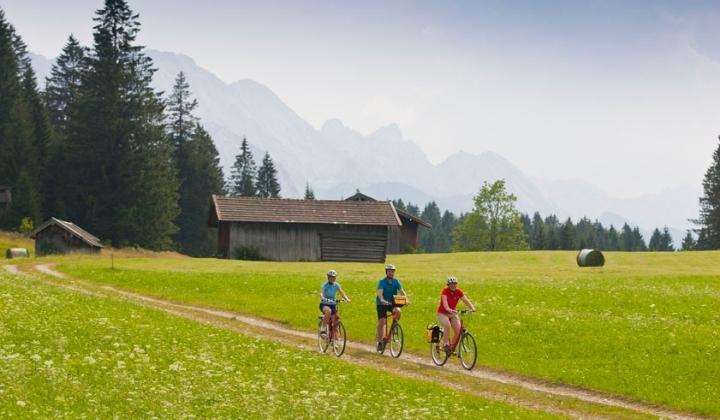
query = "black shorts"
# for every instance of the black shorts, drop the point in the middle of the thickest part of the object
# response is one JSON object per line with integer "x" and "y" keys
{"x": 382, "y": 310}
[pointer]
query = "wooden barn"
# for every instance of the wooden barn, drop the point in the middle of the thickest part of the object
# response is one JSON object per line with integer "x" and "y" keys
{"x": 303, "y": 230}
{"x": 400, "y": 236}
{"x": 60, "y": 237}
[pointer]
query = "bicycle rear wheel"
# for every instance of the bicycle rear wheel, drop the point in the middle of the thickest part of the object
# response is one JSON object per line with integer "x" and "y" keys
{"x": 467, "y": 351}
{"x": 437, "y": 351}
{"x": 397, "y": 339}
{"x": 323, "y": 340}
{"x": 338, "y": 341}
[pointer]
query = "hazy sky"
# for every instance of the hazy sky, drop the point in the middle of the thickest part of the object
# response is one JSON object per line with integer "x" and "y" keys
{"x": 622, "y": 94}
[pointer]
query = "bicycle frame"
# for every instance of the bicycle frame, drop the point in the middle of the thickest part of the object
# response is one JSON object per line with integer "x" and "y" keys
{"x": 331, "y": 332}
{"x": 463, "y": 342}
{"x": 393, "y": 335}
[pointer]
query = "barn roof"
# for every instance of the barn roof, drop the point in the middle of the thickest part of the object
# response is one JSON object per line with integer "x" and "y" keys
{"x": 282, "y": 210}
{"x": 402, "y": 213}
{"x": 71, "y": 228}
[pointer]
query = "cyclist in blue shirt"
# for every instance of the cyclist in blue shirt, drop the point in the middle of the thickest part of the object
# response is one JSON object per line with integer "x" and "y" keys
{"x": 388, "y": 287}
{"x": 328, "y": 293}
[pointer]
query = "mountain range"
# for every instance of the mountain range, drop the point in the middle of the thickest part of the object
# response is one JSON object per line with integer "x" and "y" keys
{"x": 336, "y": 160}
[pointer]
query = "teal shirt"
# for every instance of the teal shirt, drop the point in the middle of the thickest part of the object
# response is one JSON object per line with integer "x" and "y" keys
{"x": 329, "y": 292}
{"x": 389, "y": 289}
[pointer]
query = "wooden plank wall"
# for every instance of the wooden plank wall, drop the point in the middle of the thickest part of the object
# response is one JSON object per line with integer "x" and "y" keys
{"x": 308, "y": 242}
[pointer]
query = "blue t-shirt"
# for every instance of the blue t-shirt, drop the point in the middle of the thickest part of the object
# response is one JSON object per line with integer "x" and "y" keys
{"x": 330, "y": 291}
{"x": 389, "y": 289}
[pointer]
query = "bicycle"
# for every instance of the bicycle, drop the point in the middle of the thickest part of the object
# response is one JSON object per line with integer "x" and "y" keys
{"x": 393, "y": 335}
{"x": 335, "y": 334}
{"x": 466, "y": 351}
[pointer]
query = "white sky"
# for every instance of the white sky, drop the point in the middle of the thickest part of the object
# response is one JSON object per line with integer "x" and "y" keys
{"x": 622, "y": 94}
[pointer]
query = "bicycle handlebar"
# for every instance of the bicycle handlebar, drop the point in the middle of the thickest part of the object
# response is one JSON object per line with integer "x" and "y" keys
{"x": 334, "y": 301}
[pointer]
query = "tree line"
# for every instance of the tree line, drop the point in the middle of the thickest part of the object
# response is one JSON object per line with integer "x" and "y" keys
{"x": 101, "y": 148}
{"x": 495, "y": 225}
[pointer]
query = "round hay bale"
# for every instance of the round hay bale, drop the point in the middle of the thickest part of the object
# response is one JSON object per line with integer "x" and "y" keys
{"x": 17, "y": 253}
{"x": 590, "y": 258}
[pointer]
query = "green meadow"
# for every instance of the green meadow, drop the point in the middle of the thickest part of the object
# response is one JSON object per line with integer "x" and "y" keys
{"x": 645, "y": 326}
{"x": 65, "y": 354}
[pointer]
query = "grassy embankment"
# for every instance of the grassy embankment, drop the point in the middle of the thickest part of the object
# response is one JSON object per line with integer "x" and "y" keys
{"x": 645, "y": 326}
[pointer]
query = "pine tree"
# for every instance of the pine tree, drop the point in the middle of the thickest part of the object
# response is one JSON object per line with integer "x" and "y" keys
{"x": 654, "y": 244}
{"x": 429, "y": 239}
{"x": 666, "y": 241}
{"x": 688, "y": 243}
{"x": 309, "y": 193}
{"x": 538, "y": 233}
{"x": 567, "y": 235}
{"x": 61, "y": 94}
{"x": 117, "y": 141}
{"x": 267, "y": 184}
{"x": 19, "y": 142}
{"x": 242, "y": 179}
{"x": 202, "y": 177}
{"x": 199, "y": 170}
{"x": 709, "y": 220}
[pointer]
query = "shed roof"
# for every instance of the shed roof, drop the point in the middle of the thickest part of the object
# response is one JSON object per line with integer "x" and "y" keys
{"x": 402, "y": 213}
{"x": 70, "y": 228}
{"x": 283, "y": 210}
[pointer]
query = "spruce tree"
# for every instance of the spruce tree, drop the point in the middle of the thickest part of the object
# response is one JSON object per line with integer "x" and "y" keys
{"x": 267, "y": 185}
{"x": 666, "y": 241}
{"x": 430, "y": 240}
{"x": 654, "y": 244}
{"x": 309, "y": 193}
{"x": 19, "y": 142}
{"x": 62, "y": 90}
{"x": 708, "y": 223}
{"x": 199, "y": 170}
{"x": 202, "y": 177}
{"x": 242, "y": 179}
{"x": 117, "y": 141}
{"x": 567, "y": 235}
{"x": 688, "y": 243}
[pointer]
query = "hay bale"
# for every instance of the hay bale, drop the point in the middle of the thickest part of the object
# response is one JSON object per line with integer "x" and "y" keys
{"x": 590, "y": 258}
{"x": 17, "y": 253}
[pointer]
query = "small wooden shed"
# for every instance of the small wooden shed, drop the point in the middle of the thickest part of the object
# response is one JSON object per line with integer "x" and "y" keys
{"x": 303, "y": 230}
{"x": 60, "y": 237}
{"x": 401, "y": 236}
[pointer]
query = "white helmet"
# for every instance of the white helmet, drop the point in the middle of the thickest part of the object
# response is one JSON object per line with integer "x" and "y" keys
{"x": 389, "y": 267}
{"x": 452, "y": 280}
{"x": 332, "y": 273}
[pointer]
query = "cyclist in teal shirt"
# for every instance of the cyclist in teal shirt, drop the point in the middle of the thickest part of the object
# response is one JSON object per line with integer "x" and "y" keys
{"x": 328, "y": 292}
{"x": 388, "y": 287}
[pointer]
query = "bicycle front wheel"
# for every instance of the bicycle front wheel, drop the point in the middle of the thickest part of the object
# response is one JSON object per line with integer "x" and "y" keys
{"x": 323, "y": 340}
{"x": 338, "y": 342}
{"x": 397, "y": 339}
{"x": 467, "y": 351}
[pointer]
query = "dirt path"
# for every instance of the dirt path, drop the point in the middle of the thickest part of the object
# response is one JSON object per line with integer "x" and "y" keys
{"x": 503, "y": 386}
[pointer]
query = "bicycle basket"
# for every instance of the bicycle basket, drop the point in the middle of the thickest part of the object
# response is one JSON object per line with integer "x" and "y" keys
{"x": 399, "y": 300}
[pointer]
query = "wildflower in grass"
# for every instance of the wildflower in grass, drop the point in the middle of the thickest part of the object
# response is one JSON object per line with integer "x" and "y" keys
{"x": 36, "y": 357}
{"x": 21, "y": 403}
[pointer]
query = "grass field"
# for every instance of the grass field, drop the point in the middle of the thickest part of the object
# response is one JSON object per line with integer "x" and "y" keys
{"x": 70, "y": 355}
{"x": 645, "y": 326}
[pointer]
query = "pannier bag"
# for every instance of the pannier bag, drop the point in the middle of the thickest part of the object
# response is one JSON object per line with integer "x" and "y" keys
{"x": 399, "y": 300}
{"x": 433, "y": 333}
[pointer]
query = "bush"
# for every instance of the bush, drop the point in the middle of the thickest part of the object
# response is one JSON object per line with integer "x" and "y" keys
{"x": 248, "y": 253}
